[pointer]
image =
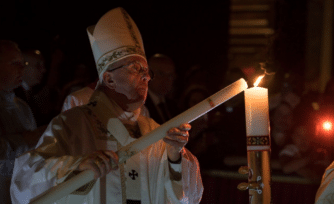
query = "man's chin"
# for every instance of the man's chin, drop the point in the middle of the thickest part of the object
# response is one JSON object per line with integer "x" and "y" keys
{"x": 137, "y": 103}
{"x": 134, "y": 106}
{"x": 142, "y": 92}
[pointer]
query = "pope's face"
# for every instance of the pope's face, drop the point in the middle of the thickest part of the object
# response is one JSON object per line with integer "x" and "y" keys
{"x": 11, "y": 69}
{"x": 131, "y": 80}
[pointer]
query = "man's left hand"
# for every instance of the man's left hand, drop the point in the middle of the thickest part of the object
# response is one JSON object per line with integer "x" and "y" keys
{"x": 176, "y": 139}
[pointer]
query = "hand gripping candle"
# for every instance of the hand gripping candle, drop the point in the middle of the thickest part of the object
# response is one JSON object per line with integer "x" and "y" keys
{"x": 133, "y": 148}
{"x": 258, "y": 144}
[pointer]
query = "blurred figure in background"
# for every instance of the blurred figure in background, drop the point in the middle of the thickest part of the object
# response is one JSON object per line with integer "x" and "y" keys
{"x": 18, "y": 127}
{"x": 325, "y": 193}
{"x": 34, "y": 70}
{"x": 228, "y": 120}
{"x": 195, "y": 91}
{"x": 281, "y": 106}
{"x": 83, "y": 77}
{"x": 79, "y": 97}
{"x": 32, "y": 76}
{"x": 302, "y": 155}
{"x": 161, "y": 107}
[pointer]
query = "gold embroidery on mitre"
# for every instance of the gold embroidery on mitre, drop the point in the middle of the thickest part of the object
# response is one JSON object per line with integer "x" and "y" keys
{"x": 130, "y": 27}
{"x": 117, "y": 54}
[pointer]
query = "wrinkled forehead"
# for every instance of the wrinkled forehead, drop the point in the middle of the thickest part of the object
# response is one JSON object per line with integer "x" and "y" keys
{"x": 126, "y": 61}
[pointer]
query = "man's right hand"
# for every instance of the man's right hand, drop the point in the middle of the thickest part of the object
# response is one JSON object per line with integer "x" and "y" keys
{"x": 100, "y": 162}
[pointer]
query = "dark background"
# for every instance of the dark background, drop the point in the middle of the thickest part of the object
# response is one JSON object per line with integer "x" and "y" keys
{"x": 190, "y": 33}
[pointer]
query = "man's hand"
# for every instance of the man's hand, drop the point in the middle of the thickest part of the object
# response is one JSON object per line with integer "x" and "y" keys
{"x": 176, "y": 139}
{"x": 99, "y": 162}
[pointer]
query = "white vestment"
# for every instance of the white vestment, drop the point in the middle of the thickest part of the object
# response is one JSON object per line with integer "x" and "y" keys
{"x": 82, "y": 96}
{"x": 325, "y": 193}
{"x": 15, "y": 118}
{"x": 80, "y": 131}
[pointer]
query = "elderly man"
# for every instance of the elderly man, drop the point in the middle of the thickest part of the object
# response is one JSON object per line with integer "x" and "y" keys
{"x": 87, "y": 137}
{"x": 18, "y": 130}
{"x": 82, "y": 96}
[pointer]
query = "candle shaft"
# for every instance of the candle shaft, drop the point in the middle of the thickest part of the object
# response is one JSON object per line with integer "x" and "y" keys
{"x": 257, "y": 119}
{"x": 258, "y": 144}
{"x": 186, "y": 117}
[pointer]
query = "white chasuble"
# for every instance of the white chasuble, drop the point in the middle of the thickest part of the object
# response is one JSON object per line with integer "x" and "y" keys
{"x": 325, "y": 193}
{"x": 74, "y": 134}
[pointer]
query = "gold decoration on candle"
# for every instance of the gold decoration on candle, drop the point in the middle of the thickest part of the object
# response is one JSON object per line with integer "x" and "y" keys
{"x": 211, "y": 103}
{"x": 258, "y": 140}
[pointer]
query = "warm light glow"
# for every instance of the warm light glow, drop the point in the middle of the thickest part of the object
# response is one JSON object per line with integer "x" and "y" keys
{"x": 327, "y": 126}
{"x": 258, "y": 80}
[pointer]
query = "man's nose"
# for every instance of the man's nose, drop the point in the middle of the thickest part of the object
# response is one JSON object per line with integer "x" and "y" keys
{"x": 146, "y": 76}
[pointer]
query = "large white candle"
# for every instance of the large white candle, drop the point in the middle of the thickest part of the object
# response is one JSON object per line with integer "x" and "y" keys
{"x": 126, "y": 152}
{"x": 186, "y": 117}
{"x": 257, "y": 119}
{"x": 258, "y": 144}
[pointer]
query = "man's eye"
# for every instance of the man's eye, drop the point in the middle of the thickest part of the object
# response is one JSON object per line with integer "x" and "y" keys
{"x": 136, "y": 67}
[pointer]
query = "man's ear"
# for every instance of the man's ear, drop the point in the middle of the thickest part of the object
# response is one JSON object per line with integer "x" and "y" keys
{"x": 108, "y": 80}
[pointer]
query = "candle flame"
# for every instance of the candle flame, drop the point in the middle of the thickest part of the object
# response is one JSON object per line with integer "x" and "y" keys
{"x": 258, "y": 80}
{"x": 327, "y": 125}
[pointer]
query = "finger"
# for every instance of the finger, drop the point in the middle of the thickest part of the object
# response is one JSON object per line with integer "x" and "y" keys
{"x": 88, "y": 165}
{"x": 98, "y": 162}
{"x": 185, "y": 127}
{"x": 173, "y": 130}
{"x": 176, "y": 131}
{"x": 176, "y": 135}
{"x": 96, "y": 169}
{"x": 175, "y": 143}
{"x": 112, "y": 156}
{"x": 177, "y": 138}
{"x": 105, "y": 160}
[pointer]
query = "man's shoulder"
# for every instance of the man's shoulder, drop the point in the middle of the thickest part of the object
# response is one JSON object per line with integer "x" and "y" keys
{"x": 74, "y": 112}
{"x": 23, "y": 105}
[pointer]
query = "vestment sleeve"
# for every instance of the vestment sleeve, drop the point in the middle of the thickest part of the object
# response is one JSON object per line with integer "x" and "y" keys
{"x": 325, "y": 193}
{"x": 46, "y": 166}
{"x": 190, "y": 188}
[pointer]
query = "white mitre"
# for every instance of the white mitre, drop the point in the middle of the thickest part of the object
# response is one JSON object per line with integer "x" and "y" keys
{"x": 114, "y": 37}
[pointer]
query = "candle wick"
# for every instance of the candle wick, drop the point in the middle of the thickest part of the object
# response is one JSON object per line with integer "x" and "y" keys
{"x": 258, "y": 80}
